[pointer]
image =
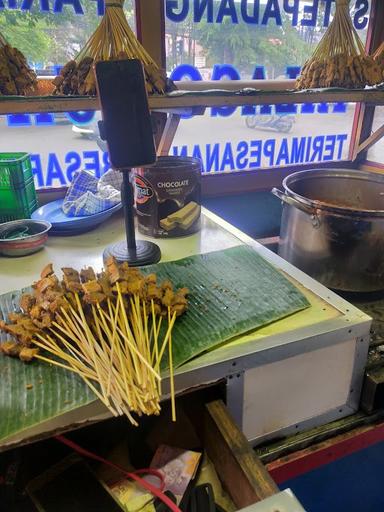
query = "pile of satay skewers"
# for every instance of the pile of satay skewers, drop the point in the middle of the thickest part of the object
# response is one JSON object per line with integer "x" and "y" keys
{"x": 113, "y": 330}
{"x": 16, "y": 77}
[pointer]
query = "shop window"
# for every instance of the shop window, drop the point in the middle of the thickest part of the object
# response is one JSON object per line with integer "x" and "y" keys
{"x": 263, "y": 39}
{"x": 205, "y": 39}
{"x": 51, "y": 32}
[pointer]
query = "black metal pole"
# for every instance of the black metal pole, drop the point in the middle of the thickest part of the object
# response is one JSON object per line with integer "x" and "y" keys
{"x": 128, "y": 202}
{"x": 141, "y": 253}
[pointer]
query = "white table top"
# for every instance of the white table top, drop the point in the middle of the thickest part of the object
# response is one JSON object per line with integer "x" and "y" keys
{"x": 87, "y": 250}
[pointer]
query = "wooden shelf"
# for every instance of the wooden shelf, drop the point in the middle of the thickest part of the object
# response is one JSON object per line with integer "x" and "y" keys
{"x": 196, "y": 99}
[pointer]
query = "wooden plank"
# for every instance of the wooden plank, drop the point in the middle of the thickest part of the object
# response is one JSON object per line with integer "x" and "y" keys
{"x": 49, "y": 104}
{"x": 270, "y": 243}
{"x": 150, "y": 24}
{"x": 236, "y": 85}
{"x": 375, "y": 35}
{"x": 159, "y": 121}
{"x": 238, "y": 467}
{"x": 60, "y": 104}
{"x": 371, "y": 140}
{"x": 72, "y": 103}
{"x": 267, "y": 98}
{"x": 168, "y": 135}
{"x": 357, "y": 128}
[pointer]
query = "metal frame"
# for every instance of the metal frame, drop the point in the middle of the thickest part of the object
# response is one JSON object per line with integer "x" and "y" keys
{"x": 350, "y": 407}
{"x": 150, "y": 21}
{"x": 235, "y": 397}
{"x": 232, "y": 361}
{"x": 151, "y": 30}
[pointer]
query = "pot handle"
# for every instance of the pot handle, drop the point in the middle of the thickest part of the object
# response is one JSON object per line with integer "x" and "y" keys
{"x": 292, "y": 201}
{"x": 297, "y": 204}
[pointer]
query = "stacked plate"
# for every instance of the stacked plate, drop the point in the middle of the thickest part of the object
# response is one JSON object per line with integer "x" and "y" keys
{"x": 62, "y": 225}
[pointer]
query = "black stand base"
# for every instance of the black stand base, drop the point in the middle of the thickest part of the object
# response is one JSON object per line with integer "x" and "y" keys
{"x": 135, "y": 252}
{"x": 144, "y": 254}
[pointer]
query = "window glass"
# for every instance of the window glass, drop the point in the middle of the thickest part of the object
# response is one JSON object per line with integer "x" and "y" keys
{"x": 59, "y": 144}
{"x": 263, "y": 39}
{"x": 53, "y": 32}
{"x": 376, "y": 153}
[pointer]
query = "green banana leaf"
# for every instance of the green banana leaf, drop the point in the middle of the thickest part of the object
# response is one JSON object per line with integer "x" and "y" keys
{"x": 231, "y": 292}
{"x": 54, "y": 391}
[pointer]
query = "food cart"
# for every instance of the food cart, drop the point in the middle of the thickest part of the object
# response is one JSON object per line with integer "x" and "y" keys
{"x": 295, "y": 375}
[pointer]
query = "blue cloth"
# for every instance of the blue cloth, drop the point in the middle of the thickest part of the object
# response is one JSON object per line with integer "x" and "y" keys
{"x": 88, "y": 195}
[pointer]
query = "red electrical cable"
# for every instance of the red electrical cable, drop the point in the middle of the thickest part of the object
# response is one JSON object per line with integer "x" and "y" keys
{"x": 158, "y": 492}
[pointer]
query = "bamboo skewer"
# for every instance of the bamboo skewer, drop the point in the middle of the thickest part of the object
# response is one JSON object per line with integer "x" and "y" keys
{"x": 171, "y": 379}
{"x": 166, "y": 339}
{"x": 136, "y": 352}
{"x": 72, "y": 369}
{"x": 115, "y": 350}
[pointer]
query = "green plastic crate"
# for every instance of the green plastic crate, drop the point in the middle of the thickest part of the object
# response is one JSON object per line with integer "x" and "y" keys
{"x": 17, "y": 189}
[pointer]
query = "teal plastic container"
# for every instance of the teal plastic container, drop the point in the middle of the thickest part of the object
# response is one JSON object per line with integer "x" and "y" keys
{"x": 17, "y": 189}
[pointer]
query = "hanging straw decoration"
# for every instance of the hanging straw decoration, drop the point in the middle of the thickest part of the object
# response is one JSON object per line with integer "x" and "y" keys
{"x": 340, "y": 59}
{"x": 113, "y": 39}
{"x": 16, "y": 77}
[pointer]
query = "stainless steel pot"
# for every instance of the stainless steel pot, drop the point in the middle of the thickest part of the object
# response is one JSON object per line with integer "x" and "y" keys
{"x": 332, "y": 227}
